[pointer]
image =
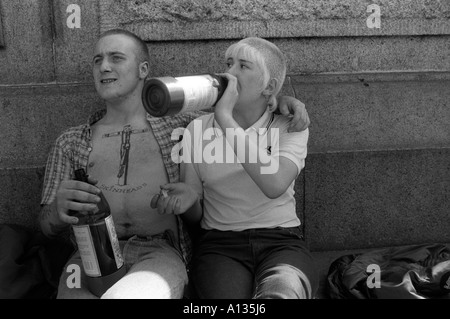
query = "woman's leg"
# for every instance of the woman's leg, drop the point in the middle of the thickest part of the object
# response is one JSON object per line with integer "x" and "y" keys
{"x": 221, "y": 266}
{"x": 286, "y": 269}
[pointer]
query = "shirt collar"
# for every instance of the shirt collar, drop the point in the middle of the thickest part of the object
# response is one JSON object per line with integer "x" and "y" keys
{"x": 263, "y": 123}
{"x": 260, "y": 127}
{"x": 96, "y": 117}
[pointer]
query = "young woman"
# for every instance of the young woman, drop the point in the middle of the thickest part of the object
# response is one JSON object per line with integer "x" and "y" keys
{"x": 239, "y": 167}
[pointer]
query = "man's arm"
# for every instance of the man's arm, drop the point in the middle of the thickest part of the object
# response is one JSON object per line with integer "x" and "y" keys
{"x": 50, "y": 223}
{"x": 71, "y": 195}
{"x": 291, "y": 107}
{"x": 179, "y": 199}
{"x": 183, "y": 198}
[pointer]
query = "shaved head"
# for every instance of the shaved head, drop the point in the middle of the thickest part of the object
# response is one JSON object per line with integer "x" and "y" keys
{"x": 141, "y": 47}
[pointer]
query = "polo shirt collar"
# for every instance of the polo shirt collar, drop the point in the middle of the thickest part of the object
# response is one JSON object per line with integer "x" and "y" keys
{"x": 263, "y": 122}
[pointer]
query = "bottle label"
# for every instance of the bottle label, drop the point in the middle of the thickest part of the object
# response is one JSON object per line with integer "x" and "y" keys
{"x": 114, "y": 241}
{"x": 199, "y": 92}
{"x": 99, "y": 247}
{"x": 87, "y": 251}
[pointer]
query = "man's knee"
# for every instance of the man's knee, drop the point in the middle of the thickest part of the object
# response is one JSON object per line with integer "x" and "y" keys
{"x": 147, "y": 285}
{"x": 73, "y": 281}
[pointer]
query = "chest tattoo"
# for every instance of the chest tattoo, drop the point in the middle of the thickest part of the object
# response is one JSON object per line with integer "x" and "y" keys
{"x": 125, "y": 147}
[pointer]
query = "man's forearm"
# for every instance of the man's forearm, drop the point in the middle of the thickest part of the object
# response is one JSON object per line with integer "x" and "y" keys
{"x": 194, "y": 214}
{"x": 50, "y": 224}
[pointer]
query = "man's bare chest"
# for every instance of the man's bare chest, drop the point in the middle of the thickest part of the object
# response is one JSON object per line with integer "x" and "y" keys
{"x": 125, "y": 158}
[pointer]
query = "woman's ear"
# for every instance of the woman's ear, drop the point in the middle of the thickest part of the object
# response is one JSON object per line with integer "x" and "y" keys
{"x": 143, "y": 70}
{"x": 269, "y": 94}
{"x": 271, "y": 87}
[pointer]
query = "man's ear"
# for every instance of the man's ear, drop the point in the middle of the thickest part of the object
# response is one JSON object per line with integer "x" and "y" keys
{"x": 270, "y": 88}
{"x": 144, "y": 69}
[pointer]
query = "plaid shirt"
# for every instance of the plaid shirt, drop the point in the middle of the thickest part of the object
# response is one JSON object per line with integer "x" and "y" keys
{"x": 72, "y": 148}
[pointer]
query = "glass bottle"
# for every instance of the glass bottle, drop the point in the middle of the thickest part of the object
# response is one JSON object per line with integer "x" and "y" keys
{"x": 98, "y": 244}
{"x": 163, "y": 96}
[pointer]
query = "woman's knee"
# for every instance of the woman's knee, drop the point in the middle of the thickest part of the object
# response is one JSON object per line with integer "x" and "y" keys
{"x": 283, "y": 281}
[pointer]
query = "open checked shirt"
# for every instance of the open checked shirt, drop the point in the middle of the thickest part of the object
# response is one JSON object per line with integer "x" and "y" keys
{"x": 75, "y": 146}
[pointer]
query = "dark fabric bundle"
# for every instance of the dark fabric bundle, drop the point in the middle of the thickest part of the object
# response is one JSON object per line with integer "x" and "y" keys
{"x": 413, "y": 272}
{"x": 30, "y": 263}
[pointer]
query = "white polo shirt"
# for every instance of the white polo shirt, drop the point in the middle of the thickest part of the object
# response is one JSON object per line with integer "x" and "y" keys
{"x": 232, "y": 200}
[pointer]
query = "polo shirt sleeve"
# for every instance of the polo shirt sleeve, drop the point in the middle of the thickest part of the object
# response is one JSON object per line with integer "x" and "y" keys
{"x": 188, "y": 168}
{"x": 293, "y": 146}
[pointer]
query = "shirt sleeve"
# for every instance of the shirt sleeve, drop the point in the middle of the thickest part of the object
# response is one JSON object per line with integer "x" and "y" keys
{"x": 57, "y": 169}
{"x": 187, "y": 117}
{"x": 293, "y": 146}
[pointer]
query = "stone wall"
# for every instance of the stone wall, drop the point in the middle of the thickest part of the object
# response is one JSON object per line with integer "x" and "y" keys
{"x": 378, "y": 169}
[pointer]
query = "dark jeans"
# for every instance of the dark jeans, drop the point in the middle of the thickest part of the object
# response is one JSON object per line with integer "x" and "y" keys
{"x": 255, "y": 263}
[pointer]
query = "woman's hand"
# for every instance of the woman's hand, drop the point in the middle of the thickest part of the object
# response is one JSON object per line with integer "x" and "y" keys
{"x": 224, "y": 107}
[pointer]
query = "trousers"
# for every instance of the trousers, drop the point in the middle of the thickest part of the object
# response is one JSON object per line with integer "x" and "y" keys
{"x": 155, "y": 270}
{"x": 255, "y": 263}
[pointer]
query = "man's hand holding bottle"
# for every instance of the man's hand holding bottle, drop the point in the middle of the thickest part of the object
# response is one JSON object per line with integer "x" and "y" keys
{"x": 79, "y": 196}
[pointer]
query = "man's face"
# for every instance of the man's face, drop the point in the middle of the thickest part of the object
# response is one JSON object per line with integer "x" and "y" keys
{"x": 116, "y": 68}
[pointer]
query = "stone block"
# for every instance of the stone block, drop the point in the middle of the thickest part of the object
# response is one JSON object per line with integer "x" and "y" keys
{"x": 34, "y": 116}
{"x": 26, "y": 55}
{"x": 312, "y": 56}
{"x": 74, "y": 47}
{"x": 201, "y": 19}
{"x": 351, "y": 112}
{"x": 374, "y": 199}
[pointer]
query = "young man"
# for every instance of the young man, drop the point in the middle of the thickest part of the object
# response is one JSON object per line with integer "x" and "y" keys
{"x": 128, "y": 154}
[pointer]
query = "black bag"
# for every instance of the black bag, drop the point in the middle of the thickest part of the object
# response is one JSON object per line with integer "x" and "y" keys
{"x": 30, "y": 263}
{"x": 413, "y": 272}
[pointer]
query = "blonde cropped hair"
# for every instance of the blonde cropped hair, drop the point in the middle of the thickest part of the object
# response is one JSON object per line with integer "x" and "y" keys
{"x": 270, "y": 60}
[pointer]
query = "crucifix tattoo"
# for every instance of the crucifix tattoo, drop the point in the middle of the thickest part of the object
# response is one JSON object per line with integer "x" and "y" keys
{"x": 125, "y": 146}
{"x": 124, "y": 156}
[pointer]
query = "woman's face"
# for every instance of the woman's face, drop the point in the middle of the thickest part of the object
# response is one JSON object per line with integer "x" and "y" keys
{"x": 249, "y": 77}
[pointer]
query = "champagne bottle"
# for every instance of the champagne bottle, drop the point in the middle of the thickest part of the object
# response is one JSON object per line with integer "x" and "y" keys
{"x": 164, "y": 96}
{"x": 98, "y": 244}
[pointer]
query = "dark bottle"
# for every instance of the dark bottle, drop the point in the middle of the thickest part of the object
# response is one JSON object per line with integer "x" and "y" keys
{"x": 98, "y": 244}
{"x": 167, "y": 95}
